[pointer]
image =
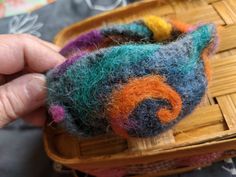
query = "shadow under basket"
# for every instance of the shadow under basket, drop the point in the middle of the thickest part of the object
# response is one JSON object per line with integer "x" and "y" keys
{"x": 207, "y": 135}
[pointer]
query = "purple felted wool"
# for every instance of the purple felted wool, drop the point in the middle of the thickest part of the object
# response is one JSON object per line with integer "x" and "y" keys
{"x": 57, "y": 113}
{"x": 83, "y": 42}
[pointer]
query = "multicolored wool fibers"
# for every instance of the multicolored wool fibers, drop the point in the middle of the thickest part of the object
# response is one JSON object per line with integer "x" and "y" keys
{"x": 136, "y": 79}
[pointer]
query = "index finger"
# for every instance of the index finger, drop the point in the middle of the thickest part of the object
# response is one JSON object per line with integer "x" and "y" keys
{"x": 20, "y": 51}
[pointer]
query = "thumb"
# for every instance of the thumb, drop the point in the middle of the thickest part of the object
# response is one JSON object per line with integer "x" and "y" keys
{"x": 21, "y": 96}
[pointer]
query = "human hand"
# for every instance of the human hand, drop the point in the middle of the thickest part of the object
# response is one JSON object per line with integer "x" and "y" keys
{"x": 22, "y": 87}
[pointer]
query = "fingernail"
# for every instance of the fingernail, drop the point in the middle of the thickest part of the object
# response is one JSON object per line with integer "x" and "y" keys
{"x": 55, "y": 47}
{"x": 35, "y": 88}
{"x": 60, "y": 60}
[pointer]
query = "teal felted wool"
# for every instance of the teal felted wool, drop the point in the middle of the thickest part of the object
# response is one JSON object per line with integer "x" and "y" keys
{"x": 137, "y": 79}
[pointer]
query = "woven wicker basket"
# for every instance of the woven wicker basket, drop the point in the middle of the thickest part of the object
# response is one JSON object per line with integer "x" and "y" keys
{"x": 210, "y": 130}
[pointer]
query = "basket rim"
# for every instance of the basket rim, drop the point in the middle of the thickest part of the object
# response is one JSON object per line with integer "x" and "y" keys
{"x": 214, "y": 145}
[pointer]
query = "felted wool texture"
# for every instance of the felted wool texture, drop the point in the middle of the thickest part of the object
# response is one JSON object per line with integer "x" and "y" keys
{"x": 123, "y": 79}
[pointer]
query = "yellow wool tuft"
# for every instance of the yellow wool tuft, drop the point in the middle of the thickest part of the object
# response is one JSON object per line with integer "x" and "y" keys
{"x": 160, "y": 28}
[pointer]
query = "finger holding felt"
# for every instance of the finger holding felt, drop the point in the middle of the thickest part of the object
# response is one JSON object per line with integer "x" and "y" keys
{"x": 21, "y": 96}
{"x": 20, "y": 51}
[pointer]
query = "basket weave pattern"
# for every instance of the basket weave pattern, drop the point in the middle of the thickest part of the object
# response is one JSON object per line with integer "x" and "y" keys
{"x": 211, "y": 129}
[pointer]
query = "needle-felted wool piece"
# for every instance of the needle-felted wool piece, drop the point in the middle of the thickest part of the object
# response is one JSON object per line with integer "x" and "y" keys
{"x": 136, "y": 79}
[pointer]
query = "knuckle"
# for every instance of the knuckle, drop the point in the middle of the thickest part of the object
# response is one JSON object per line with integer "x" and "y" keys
{"x": 26, "y": 36}
{"x": 9, "y": 103}
{"x": 28, "y": 42}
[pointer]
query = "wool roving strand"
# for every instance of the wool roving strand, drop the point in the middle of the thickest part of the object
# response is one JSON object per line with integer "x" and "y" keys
{"x": 136, "y": 79}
